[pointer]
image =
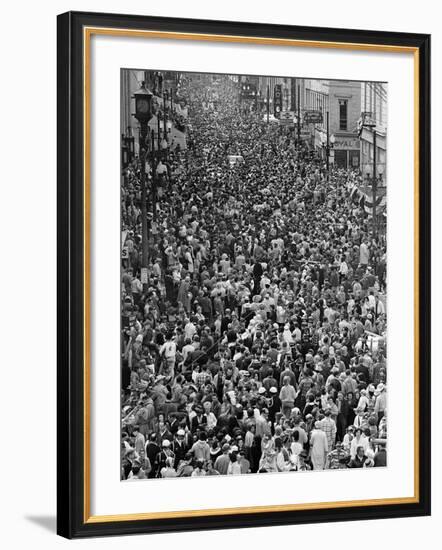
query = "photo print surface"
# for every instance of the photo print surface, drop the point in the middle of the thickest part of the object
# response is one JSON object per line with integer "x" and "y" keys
{"x": 253, "y": 274}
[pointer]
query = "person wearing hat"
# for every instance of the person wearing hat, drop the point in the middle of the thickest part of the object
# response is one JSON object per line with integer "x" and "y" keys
{"x": 145, "y": 417}
{"x": 165, "y": 453}
{"x": 223, "y": 461}
{"x": 273, "y": 404}
{"x": 179, "y": 447}
{"x": 381, "y": 401}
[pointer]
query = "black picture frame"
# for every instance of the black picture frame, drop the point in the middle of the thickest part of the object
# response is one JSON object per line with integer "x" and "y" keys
{"x": 71, "y": 396}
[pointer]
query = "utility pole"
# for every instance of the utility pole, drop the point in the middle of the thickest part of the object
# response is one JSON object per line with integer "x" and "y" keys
{"x": 268, "y": 103}
{"x": 143, "y": 113}
{"x": 372, "y": 125}
{"x": 299, "y": 115}
{"x": 144, "y": 228}
{"x": 375, "y": 182}
{"x": 154, "y": 188}
{"x": 327, "y": 149}
{"x": 165, "y": 137}
{"x": 158, "y": 132}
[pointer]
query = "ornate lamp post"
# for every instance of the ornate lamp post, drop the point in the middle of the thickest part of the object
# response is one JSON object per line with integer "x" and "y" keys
{"x": 143, "y": 113}
{"x": 267, "y": 101}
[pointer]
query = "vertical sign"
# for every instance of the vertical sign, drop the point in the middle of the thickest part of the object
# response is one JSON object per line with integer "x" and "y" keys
{"x": 277, "y": 100}
{"x": 293, "y": 94}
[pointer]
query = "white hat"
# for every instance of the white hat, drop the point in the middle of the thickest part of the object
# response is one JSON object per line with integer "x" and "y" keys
{"x": 273, "y": 389}
{"x": 181, "y": 432}
{"x": 166, "y": 443}
{"x": 261, "y": 390}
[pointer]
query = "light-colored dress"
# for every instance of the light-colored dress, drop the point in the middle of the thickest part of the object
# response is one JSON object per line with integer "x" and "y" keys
{"x": 319, "y": 448}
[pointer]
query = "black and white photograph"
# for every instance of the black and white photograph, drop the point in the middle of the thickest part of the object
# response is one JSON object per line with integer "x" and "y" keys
{"x": 227, "y": 276}
{"x": 253, "y": 274}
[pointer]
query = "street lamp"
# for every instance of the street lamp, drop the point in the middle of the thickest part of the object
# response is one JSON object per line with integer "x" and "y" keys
{"x": 143, "y": 113}
{"x": 143, "y": 104}
{"x": 380, "y": 170}
{"x": 267, "y": 101}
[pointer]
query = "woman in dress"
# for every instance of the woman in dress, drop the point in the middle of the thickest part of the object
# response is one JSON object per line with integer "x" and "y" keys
{"x": 319, "y": 447}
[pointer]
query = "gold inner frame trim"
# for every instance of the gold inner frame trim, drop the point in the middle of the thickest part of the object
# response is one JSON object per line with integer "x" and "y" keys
{"x": 134, "y": 33}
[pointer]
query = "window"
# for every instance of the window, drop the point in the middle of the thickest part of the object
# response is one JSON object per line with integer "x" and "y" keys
{"x": 343, "y": 119}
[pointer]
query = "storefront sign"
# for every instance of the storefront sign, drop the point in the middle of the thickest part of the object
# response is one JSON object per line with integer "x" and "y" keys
{"x": 313, "y": 117}
{"x": 287, "y": 118}
{"x": 346, "y": 143}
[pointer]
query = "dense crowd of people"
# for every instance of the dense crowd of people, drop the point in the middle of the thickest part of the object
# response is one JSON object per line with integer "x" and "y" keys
{"x": 257, "y": 342}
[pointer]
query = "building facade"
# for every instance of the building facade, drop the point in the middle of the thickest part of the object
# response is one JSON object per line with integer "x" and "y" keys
{"x": 316, "y": 98}
{"x": 344, "y": 114}
{"x": 289, "y": 90}
{"x": 374, "y": 110}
